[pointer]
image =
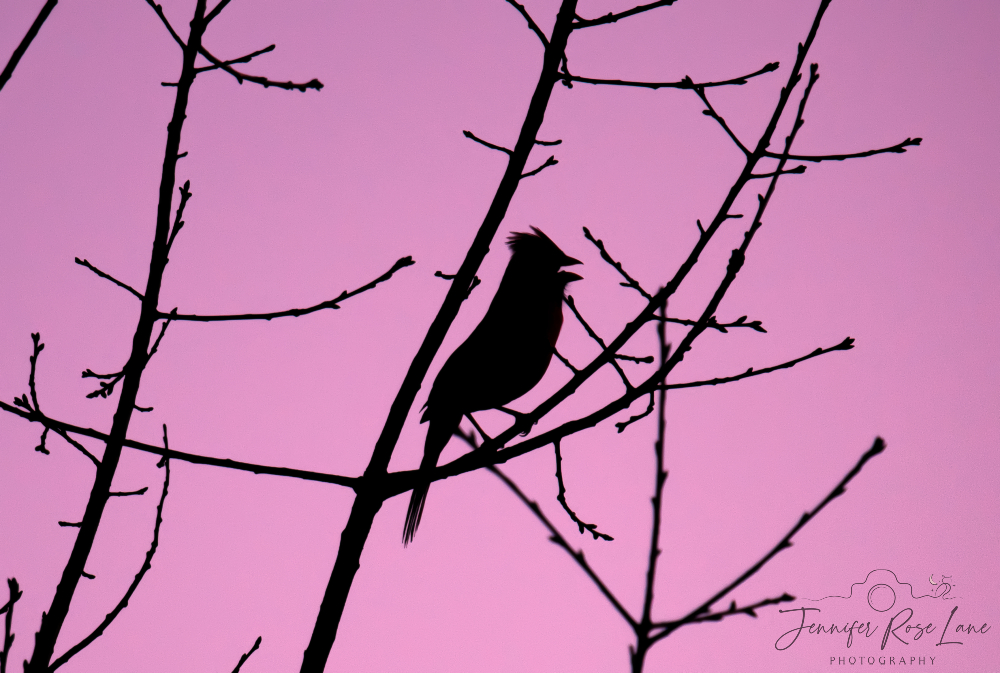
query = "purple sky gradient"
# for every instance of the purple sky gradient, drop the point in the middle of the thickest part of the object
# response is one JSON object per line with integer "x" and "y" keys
{"x": 300, "y": 196}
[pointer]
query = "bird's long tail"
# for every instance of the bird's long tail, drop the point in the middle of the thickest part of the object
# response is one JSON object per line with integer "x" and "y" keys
{"x": 440, "y": 431}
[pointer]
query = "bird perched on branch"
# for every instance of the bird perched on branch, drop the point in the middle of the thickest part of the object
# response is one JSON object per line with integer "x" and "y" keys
{"x": 504, "y": 357}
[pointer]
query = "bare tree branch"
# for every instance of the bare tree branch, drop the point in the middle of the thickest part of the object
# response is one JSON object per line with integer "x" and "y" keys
{"x": 561, "y": 497}
{"x": 22, "y": 47}
{"x": 685, "y": 83}
{"x": 898, "y": 148}
{"x": 472, "y": 136}
{"x": 83, "y": 262}
{"x": 246, "y": 656}
{"x": 611, "y": 17}
{"x": 146, "y": 565}
{"x": 593, "y": 335}
{"x": 551, "y": 161}
{"x": 531, "y": 23}
{"x": 845, "y": 345}
{"x": 785, "y": 542}
{"x": 8, "y": 636}
{"x": 295, "y": 312}
{"x": 606, "y": 256}
{"x": 36, "y": 416}
{"x": 557, "y": 538}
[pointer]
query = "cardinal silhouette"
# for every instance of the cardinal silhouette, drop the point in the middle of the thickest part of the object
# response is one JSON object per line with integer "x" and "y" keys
{"x": 504, "y": 357}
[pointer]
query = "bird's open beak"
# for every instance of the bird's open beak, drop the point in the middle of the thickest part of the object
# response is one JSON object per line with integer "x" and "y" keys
{"x": 569, "y": 276}
{"x": 569, "y": 261}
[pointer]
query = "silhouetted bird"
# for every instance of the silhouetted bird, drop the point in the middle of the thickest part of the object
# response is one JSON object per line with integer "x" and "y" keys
{"x": 504, "y": 357}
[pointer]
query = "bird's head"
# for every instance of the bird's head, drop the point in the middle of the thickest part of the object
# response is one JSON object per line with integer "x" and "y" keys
{"x": 538, "y": 251}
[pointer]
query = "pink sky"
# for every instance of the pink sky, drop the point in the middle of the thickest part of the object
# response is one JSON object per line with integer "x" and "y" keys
{"x": 300, "y": 196}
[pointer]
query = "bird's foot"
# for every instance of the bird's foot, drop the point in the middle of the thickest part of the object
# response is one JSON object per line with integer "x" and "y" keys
{"x": 518, "y": 418}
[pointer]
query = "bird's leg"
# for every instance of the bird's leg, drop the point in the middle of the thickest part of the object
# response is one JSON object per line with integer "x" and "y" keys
{"x": 518, "y": 417}
{"x": 486, "y": 438}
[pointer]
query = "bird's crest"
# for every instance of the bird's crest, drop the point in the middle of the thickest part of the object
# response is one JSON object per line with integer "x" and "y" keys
{"x": 538, "y": 243}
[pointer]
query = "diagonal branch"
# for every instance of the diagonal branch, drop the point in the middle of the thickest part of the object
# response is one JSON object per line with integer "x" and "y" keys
{"x": 83, "y": 262}
{"x": 8, "y": 637}
{"x": 611, "y": 17}
{"x": 243, "y": 659}
{"x": 22, "y": 47}
{"x": 561, "y": 497}
{"x": 898, "y": 148}
{"x": 845, "y": 345}
{"x": 686, "y": 83}
{"x": 750, "y": 610}
{"x": 551, "y": 161}
{"x": 263, "y": 81}
{"x": 531, "y": 23}
{"x": 709, "y": 111}
{"x": 242, "y": 59}
{"x": 295, "y": 312}
{"x": 629, "y": 280}
{"x": 146, "y": 565}
{"x": 593, "y": 335}
{"x": 36, "y": 416}
{"x": 472, "y": 136}
{"x": 556, "y": 537}
{"x": 785, "y": 542}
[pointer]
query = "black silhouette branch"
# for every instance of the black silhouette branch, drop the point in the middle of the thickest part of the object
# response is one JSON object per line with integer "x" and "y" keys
{"x": 733, "y": 609}
{"x": 22, "y": 47}
{"x": 8, "y": 608}
{"x": 60, "y": 427}
{"x": 146, "y": 565}
{"x": 606, "y": 256}
{"x": 369, "y": 500}
{"x": 556, "y": 537}
{"x": 611, "y": 17}
{"x": 295, "y": 312}
{"x": 565, "y": 361}
{"x": 246, "y": 656}
{"x": 643, "y": 628}
{"x": 551, "y": 161}
{"x": 638, "y": 417}
{"x": 55, "y": 616}
{"x": 796, "y": 171}
{"x": 242, "y": 59}
{"x": 702, "y": 610}
{"x": 185, "y": 191}
{"x": 898, "y": 148}
{"x": 107, "y": 386}
{"x": 709, "y": 111}
{"x": 531, "y": 23}
{"x": 402, "y": 481}
{"x": 83, "y": 262}
{"x": 593, "y": 335}
{"x": 561, "y": 497}
{"x": 685, "y": 83}
{"x": 472, "y": 136}
{"x": 225, "y": 65}
{"x": 845, "y": 345}
{"x": 755, "y": 325}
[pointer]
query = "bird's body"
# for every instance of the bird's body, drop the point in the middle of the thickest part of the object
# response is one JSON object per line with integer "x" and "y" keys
{"x": 504, "y": 357}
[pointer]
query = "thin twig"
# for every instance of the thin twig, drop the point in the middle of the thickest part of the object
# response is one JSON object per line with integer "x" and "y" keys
{"x": 551, "y": 161}
{"x": 755, "y": 325}
{"x": 22, "y": 47}
{"x": 791, "y": 171}
{"x": 83, "y": 262}
{"x": 185, "y": 191}
{"x": 593, "y": 335}
{"x": 638, "y": 417}
{"x": 709, "y": 111}
{"x": 246, "y": 656}
{"x": 785, "y": 542}
{"x": 556, "y": 537}
{"x": 565, "y": 361}
{"x": 242, "y": 59}
{"x": 8, "y": 636}
{"x": 561, "y": 497}
{"x": 845, "y": 345}
{"x": 146, "y": 565}
{"x": 57, "y": 426}
{"x": 606, "y": 256}
{"x": 611, "y": 17}
{"x": 531, "y": 23}
{"x": 263, "y": 81}
{"x": 472, "y": 136}
{"x": 295, "y": 312}
{"x": 898, "y": 148}
{"x": 685, "y": 83}
{"x": 750, "y": 610}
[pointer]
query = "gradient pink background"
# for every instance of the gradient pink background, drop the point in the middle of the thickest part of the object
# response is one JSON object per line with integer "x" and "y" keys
{"x": 299, "y": 196}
